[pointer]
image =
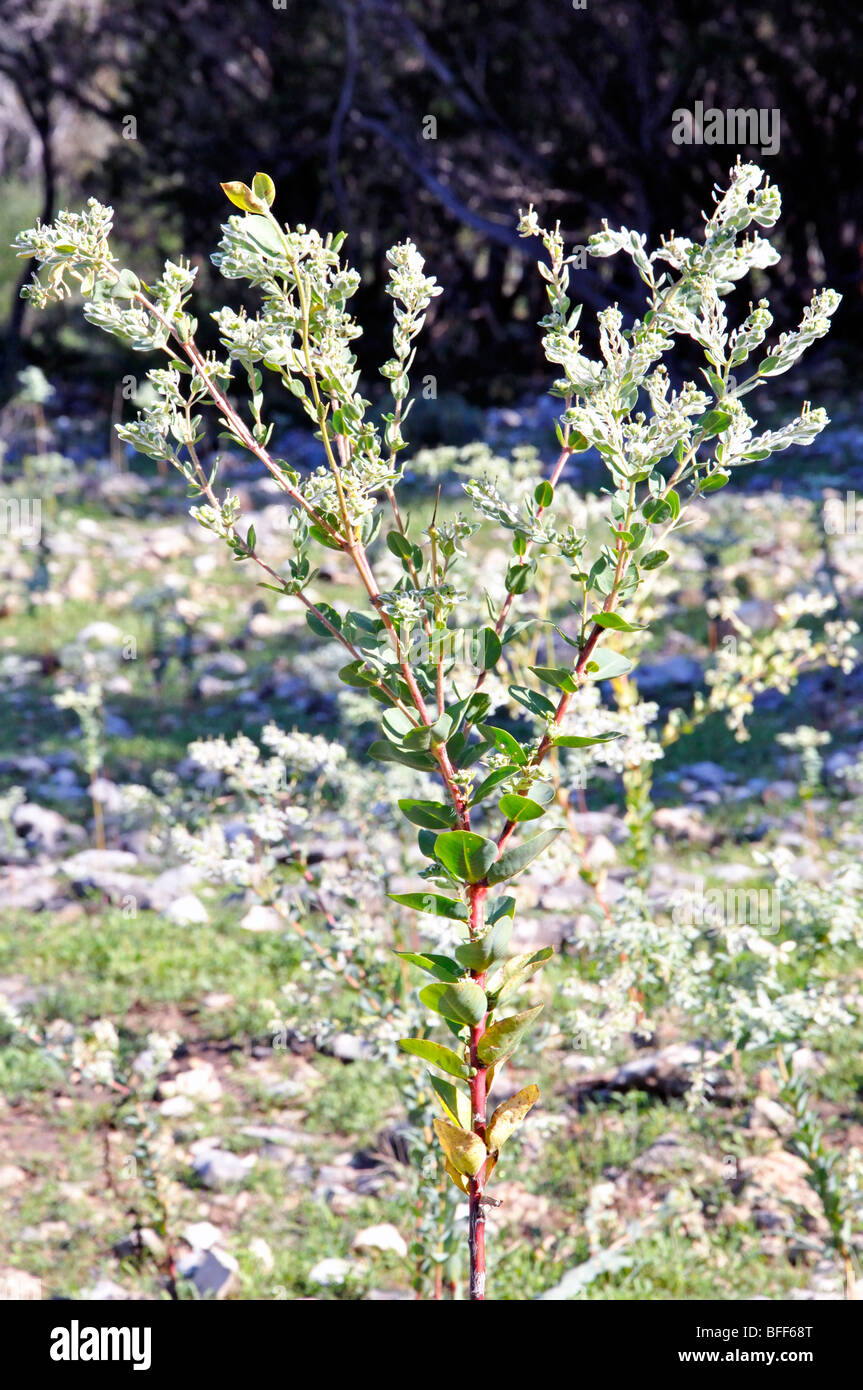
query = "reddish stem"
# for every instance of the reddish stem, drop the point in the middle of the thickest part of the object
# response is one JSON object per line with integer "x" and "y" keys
{"x": 478, "y": 1091}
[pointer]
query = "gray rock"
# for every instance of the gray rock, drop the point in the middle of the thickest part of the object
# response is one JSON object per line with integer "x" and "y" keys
{"x": 118, "y": 727}
{"x": 711, "y": 774}
{"x": 349, "y": 1048}
{"x": 683, "y": 823}
{"x": 332, "y": 1271}
{"x": 30, "y": 888}
{"x": 106, "y": 1291}
{"x": 202, "y": 1235}
{"x": 669, "y": 1155}
{"x": 101, "y": 634}
{"x": 211, "y": 687}
{"x": 675, "y": 671}
{"x": 187, "y": 911}
{"x": 44, "y": 830}
{"x": 213, "y": 1272}
{"x": 219, "y": 1168}
{"x": 103, "y": 869}
{"x": 229, "y": 664}
{"x": 261, "y": 918}
{"x": 173, "y": 884}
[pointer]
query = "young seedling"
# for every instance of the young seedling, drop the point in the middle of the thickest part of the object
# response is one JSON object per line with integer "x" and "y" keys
{"x": 665, "y": 449}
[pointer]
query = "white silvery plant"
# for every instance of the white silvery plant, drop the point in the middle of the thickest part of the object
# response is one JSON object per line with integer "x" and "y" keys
{"x": 664, "y": 448}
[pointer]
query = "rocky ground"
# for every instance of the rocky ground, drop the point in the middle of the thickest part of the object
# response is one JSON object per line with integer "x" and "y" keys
{"x": 284, "y": 1168}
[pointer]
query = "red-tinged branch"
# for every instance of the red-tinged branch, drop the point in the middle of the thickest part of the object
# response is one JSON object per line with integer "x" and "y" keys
{"x": 478, "y": 1097}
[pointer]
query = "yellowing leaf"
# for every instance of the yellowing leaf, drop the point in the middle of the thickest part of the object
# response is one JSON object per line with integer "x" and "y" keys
{"x": 457, "y": 1178}
{"x": 508, "y": 1116}
{"x": 242, "y": 196}
{"x": 465, "y": 1151}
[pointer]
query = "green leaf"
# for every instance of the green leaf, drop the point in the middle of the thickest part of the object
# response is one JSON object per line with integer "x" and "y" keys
{"x": 490, "y": 948}
{"x": 432, "y": 814}
{"x": 512, "y": 861}
{"x": 464, "y": 1149}
{"x": 456, "y": 1104}
{"x": 420, "y": 737}
{"x": 500, "y": 907}
{"x": 440, "y": 966}
{"x": 713, "y": 483}
{"x": 264, "y": 188}
{"x": 435, "y": 904}
{"x": 503, "y": 1037}
{"x": 605, "y": 665}
{"x": 508, "y": 1116}
{"x": 442, "y": 1057}
{"x": 544, "y": 494}
{"x": 389, "y": 753}
{"x": 583, "y": 741}
{"x": 397, "y": 725}
{"x": 558, "y": 676}
{"x": 264, "y": 235}
{"x": 465, "y": 855}
{"x": 493, "y": 780}
{"x": 714, "y": 422}
{"x": 330, "y": 614}
{"x": 516, "y": 972}
{"x": 654, "y": 559}
{"x": 532, "y": 700}
{"x": 614, "y": 620}
{"x": 463, "y": 1002}
{"x": 354, "y": 676}
{"x": 504, "y": 743}
{"x": 520, "y": 808}
{"x": 486, "y": 649}
{"x": 399, "y": 545}
{"x": 518, "y": 578}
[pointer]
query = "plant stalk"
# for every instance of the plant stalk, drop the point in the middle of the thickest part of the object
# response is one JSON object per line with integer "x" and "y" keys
{"x": 478, "y": 1095}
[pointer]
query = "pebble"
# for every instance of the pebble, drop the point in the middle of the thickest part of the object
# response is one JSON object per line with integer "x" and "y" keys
{"x": 219, "y": 1168}
{"x": 187, "y": 911}
{"x": 383, "y": 1237}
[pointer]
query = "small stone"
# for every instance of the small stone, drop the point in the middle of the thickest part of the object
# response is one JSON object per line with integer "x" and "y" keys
{"x": 229, "y": 664}
{"x": 261, "y": 918}
{"x": 177, "y": 1108}
{"x": 769, "y": 1116}
{"x": 211, "y": 687}
{"x": 213, "y": 1272}
{"x": 11, "y": 1176}
{"x": 219, "y": 1168}
{"x": 776, "y": 792}
{"x": 187, "y": 911}
{"x": 711, "y": 774}
{"x": 216, "y": 1002}
{"x": 43, "y": 829}
{"x": 100, "y": 634}
{"x": 332, "y": 1271}
{"x": 262, "y": 1252}
{"x": 349, "y": 1048}
{"x": 383, "y": 1237}
{"x": 173, "y": 884}
{"x": 16, "y": 1285}
{"x": 106, "y": 1291}
{"x": 202, "y": 1235}
{"x": 200, "y": 1083}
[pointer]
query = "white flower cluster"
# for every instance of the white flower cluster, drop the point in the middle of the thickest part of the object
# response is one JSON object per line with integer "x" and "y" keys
{"x": 587, "y": 716}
